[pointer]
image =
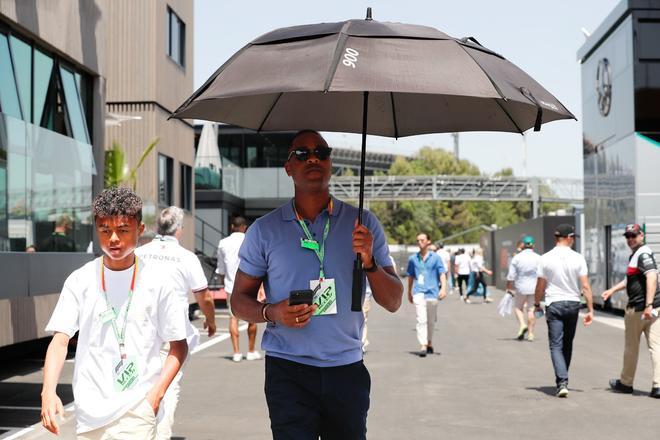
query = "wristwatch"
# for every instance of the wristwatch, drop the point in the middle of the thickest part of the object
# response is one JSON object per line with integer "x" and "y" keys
{"x": 373, "y": 267}
{"x": 537, "y": 305}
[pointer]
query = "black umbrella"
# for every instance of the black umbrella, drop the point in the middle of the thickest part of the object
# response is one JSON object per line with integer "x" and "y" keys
{"x": 370, "y": 77}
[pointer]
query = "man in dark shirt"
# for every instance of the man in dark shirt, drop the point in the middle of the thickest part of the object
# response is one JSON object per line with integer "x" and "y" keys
{"x": 59, "y": 241}
{"x": 641, "y": 284}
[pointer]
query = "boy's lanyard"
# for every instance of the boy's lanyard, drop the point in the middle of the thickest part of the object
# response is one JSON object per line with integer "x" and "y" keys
{"x": 120, "y": 336}
{"x": 312, "y": 244}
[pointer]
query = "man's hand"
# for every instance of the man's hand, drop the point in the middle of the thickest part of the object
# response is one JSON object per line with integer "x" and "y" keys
{"x": 443, "y": 293}
{"x": 363, "y": 243}
{"x": 511, "y": 292}
{"x": 588, "y": 318}
{"x": 154, "y": 398}
{"x": 51, "y": 405}
{"x": 605, "y": 295}
{"x": 210, "y": 326}
{"x": 297, "y": 316}
{"x": 647, "y": 313}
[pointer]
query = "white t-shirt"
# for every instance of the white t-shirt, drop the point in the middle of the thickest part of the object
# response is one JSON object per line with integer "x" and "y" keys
{"x": 463, "y": 263}
{"x": 561, "y": 268}
{"x": 154, "y": 317}
{"x": 183, "y": 268}
{"x": 445, "y": 257}
{"x": 523, "y": 271}
{"x": 228, "y": 258}
{"x": 476, "y": 263}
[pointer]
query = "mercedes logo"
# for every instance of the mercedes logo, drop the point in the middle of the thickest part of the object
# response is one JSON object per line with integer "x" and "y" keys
{"x": 604, "y": 86}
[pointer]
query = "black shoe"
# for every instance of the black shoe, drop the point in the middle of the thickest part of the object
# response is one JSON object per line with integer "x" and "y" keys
{"x": 422, "y": 353}
{"x": 616, "y": 385}
{"x": 429, "y": 349}
{"x": 655, "y": 393}
{"x": 562, "y": 390}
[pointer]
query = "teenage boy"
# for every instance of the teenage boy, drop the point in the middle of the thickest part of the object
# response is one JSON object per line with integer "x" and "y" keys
{"x": 123, "y": 313}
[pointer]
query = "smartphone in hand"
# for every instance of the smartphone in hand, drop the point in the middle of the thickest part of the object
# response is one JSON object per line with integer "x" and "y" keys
{"x": 305, "y": 296}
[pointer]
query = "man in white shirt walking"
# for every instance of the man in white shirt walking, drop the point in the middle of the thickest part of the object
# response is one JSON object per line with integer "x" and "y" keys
{"x": 462, "y": 269}
{"x": 522, "y": 277}
{"x": 186, "y": 273}
{"x": 446, "y": 261}
{"x": 123, "y": 311}
{"x": 562, "y": 275}
{"x": 227, "y": 266}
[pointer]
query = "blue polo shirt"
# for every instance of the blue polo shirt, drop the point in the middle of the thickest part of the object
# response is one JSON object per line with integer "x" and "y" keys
{"x": 272, "y": 250}
{"x": 430, "y": 269}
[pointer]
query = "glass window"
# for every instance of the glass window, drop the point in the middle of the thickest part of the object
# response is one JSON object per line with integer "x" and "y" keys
{"x": 43, "y": 69}
{"x": 74, "y": 109}
{"x": 176, "y": 37}
{"x": 186, "y": 187}
{"x": 9, "y": 103}
{"x": 165, "y": 165}
{"x": 22, "y": 55}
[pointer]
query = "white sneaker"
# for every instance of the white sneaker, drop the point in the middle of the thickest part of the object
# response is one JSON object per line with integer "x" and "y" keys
{"x": 237, "y": 357}
{"x": 253, "y": 356}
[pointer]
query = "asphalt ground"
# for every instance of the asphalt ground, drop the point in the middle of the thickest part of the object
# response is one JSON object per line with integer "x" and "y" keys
{"x": 480, "y": 383}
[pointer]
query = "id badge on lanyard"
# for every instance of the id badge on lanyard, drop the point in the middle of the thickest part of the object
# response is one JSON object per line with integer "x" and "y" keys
{"x": 125, "y": 373}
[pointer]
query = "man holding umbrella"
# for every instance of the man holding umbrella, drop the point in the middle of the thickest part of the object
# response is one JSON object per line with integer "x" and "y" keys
{"x": 316, "y": 382}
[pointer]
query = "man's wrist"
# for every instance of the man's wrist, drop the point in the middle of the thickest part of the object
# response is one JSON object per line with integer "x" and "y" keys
{"x": 373, "y": 267}
{"x": 537, "y": 304}
{"x": 264, "y": 313}
{"x": 648, "y": 305}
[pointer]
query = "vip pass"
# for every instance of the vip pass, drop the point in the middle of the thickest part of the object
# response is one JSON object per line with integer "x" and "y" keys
{"x": 125, "y": 373}
{"x": 325, "y": 295}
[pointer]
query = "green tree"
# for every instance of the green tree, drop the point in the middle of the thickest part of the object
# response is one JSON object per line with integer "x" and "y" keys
{"x": 403, "y": 220}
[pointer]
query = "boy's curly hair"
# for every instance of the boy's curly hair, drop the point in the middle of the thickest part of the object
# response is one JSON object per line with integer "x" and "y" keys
{"x": 117, "y": 201}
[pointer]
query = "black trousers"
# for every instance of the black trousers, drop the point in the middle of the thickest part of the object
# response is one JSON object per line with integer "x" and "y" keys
{"x": 461, "y": 280}
{"x": 305, "y": 402}
{"x": 478, "y": 279}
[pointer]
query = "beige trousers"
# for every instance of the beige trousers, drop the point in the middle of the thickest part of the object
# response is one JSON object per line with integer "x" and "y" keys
{"x": 139, "y": 423}
{"x": 634, "y": 329}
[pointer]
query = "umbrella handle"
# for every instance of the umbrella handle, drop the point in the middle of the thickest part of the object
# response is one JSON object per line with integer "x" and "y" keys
{"x": 356, "y": 298}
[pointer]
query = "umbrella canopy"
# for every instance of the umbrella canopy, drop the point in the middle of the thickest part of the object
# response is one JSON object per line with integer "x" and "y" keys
{"x": 420, "y": 80}
{"x": 208, "y": 154}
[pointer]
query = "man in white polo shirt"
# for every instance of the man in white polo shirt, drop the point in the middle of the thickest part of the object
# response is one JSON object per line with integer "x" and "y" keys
{"x": 186, "y": 273}
{"x": 123, "y": 311}
{"x": 562, "y": 275}
{"x": 227, "y": 266}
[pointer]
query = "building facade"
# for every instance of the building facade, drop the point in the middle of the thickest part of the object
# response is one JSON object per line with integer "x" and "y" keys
{"x": 52, "y": 91}
{"x": 621, "y": 137}
{"x": 150, "y": 73}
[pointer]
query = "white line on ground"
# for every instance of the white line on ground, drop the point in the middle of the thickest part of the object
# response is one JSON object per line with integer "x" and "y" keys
{"x": 612, "y": 321}
{"x": 216, "y": 340}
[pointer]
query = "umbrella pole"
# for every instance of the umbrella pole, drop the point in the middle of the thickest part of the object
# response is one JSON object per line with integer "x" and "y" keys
{"x": 356, "y": 299}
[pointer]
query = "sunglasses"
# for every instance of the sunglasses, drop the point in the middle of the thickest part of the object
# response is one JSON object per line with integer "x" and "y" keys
{"x": 629, "y": 236}
{"x": 302, "y": 154}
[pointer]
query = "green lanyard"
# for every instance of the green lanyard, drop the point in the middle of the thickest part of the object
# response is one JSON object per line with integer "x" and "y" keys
{"x": 120, "y": 336}
{"x": 310, "y": 243}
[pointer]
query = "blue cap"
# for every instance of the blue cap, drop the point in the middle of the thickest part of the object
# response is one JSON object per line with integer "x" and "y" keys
{"x": 528, "y": 240}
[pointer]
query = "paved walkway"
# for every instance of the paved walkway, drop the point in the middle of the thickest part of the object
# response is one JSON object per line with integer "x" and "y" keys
{"x": 482, "y": 384}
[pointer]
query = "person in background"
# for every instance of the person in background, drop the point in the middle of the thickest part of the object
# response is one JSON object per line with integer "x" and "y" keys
{"x": 522, "y": 278}
{"x": 228, "y": 262}
{"x": 59, "y": 240}
{"x": 641, "y": 285}
{"x": 478, "y": 268}
{"x": 562, "y": 275}
{"x": 187, "y": 275}
{"x": 445, "y": 258}
{"x": 427, "y": 283}
{"x": 462, "y": 269}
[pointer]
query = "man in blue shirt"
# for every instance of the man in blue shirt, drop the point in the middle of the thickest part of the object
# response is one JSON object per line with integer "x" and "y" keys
{"x": 426, "y": 279}
{"x": 316, "y": 383}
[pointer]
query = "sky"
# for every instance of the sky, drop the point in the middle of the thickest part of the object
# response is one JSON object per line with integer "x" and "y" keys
{"x": 540, "y": 37}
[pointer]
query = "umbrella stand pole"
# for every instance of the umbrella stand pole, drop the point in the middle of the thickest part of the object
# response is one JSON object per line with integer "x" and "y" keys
{"x": 356, "y": 298}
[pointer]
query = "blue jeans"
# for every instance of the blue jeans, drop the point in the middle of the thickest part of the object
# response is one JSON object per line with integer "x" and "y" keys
{"x": 306, "y": 402}
{"x": 562, "y": 317}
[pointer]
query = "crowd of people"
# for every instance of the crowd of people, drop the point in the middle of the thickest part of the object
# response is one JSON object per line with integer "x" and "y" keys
{"x": 293, "y": 269}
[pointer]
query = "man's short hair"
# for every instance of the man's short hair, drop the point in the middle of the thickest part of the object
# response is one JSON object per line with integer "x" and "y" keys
{"x": 169, "y": 220}
{"x": 117, "y": 201}
{"x": 307, "y": 131}
{"x": 238, "y": 221}
{"x": 63, "y": 220}
{"x": 425, "y": 234}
